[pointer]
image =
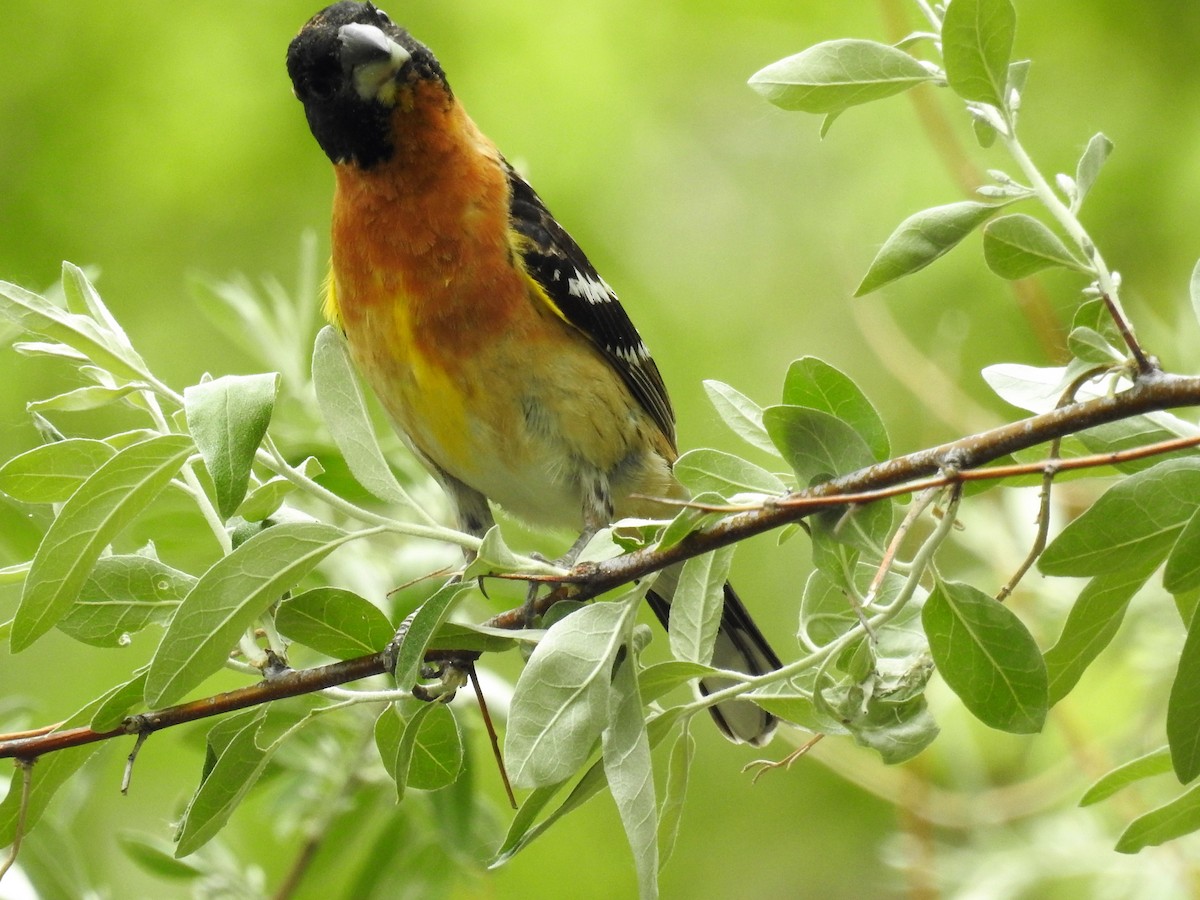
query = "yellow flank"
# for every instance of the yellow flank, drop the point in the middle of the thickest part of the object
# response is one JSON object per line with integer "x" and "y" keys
{"x": 329, "y": 308}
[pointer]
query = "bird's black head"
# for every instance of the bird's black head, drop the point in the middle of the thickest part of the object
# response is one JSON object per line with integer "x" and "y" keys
{"x": 349, "y": 66}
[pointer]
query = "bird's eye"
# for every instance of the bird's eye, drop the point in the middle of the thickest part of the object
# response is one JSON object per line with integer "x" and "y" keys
{"x": 383, "y": 17}
{"x": 322, "y": 82}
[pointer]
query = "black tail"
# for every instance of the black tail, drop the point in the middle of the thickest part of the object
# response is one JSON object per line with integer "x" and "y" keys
{"x": 740, "y": 647}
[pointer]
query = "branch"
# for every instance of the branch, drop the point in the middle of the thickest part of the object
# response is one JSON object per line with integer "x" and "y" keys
{"x": 1151, "y": 392}
{"x": 948, "y": 463}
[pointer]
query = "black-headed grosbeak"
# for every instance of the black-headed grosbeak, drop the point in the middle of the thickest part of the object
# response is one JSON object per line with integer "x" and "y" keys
{"x": 505, "y": 361}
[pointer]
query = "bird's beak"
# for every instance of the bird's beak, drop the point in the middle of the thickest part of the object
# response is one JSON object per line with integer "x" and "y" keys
{"x": 372, "y": 59}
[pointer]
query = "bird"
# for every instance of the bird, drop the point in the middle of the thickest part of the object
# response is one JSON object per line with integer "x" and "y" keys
{"x": 504, "y": 361}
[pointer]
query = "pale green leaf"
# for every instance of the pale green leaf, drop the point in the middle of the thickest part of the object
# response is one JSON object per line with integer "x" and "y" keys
{"x": 679, "y": 767}
{"x": 344, "y": 408}
{"x": 234, "y": 763}
{"x": 50, "y": 773}
{"x": 723, "y": 473}
{"x": 52, "y": 472}
{"x": 416, "y": 632}
{"x": 817, "y": 445}
{"x": 1157, "y": 762}
{"x": 741, "y": 414}
{"x": 922, "y": 238}
{"x": 228, "y": 599}
{"x": 122, "y": 596}
{"x": 38, "y": 315}
{"x": 1183, "y": 708}
{"x": 1172, "y": 820}
{"x": 1091, "y": 625}
{"x": 835, "y": 75}
{"x": 626, "y": 756}
{"x": 977, "y": 38}
{"x": 815, "y": 383}
{"x": 333, "y": 621}
{"x": 1090, "y": 163}
{"x": 228, "y": 418}
{"x": 560, "y": 704}
{"x": 89, "y": 520}
{"x": 697, "y": 604}
{"x": 437, "y": 750}
{"x": 83, "y": 399}
{"x": 1134, "y": 524}
{"x": 1018, "y": 245}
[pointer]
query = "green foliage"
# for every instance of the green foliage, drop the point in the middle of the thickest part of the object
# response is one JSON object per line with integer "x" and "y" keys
{"x": 195, "y": 520}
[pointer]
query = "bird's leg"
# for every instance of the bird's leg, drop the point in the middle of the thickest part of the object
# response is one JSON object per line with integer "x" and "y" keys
{"x": 597, "y": 513}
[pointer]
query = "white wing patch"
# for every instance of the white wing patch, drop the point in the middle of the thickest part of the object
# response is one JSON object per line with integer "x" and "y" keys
{"x": 593, "y": 290}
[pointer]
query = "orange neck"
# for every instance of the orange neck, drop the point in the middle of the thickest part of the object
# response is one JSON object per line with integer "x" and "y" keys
{"x": 428, "y": 228}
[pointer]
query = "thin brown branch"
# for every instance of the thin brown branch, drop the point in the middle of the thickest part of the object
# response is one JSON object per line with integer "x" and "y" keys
{"x": 291, "y": 684}
{"x": 1145, "y": 365}
{"x": 954, "y": 462}
{"x": 944, "y": 464}
{"x": 492, "y": 736}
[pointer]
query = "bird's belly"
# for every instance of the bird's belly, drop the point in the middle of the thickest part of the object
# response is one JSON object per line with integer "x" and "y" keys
{"x": 529, "y": 442}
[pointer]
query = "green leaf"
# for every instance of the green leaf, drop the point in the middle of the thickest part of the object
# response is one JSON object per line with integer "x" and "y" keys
{"x": 1134, "y": 524}
{"x": 835, "y": 75}
{"x": 481, "y": 638}
{"x": 1182, "y": 572}
{"x": 1018, "y": 245}
{"x": 524, "y": 831}
{"x": 82, "y": 297}
{"x": 626, "y": 756}
{"x": 1091, "y": 625}
{"x": 977, "y": 39}
{"x": 227, "y": 600}
{"x": 987, "y": 657}
{"x": 725, "y": 474}
{"x": 389, "y": 728}
{"x": 122, "y": 596}
{"x": 233, "y": 763}
{"x": 679, "y": 767}
{"x": 418, "y": 630}
{"x": 153, "y": 857}
{"x": 697, "y": 604}
{"x": 814, "y": 383}
{"x": 83, "y": 399}
{"x": 401, "y": 740}
{"x": 1157, "y": 762}
{"x": 922, "y": 238}
{"x": 657, "y": 680}
{"x": 437, "y": 754}
{"x": 741, "y": 414}
{"x": 344, "y": 408}
{"x": 1183, "y": 708}
{"x": 1093, "y": 159}
{"x": 228, "y": 418}
{"x": 896, "y": 731}
{"x": 1091, "y": 346}
{"x": 53, "y": 472}
{"x": 93, "y": 516}
{"x": 118, "y": 703}
{"x": 1179, "y": 817}
{"x": 335, "y": 622}
{"x": 38, "y": 315}
{"x": 817, "y": 445}
{"x": 560, "y": 704}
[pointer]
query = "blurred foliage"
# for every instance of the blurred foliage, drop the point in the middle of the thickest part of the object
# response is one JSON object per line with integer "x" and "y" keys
{"x": 156, "y": 142}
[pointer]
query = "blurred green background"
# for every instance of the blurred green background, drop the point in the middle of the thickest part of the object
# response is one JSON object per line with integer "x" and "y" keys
{"x": 156, "y": 141}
